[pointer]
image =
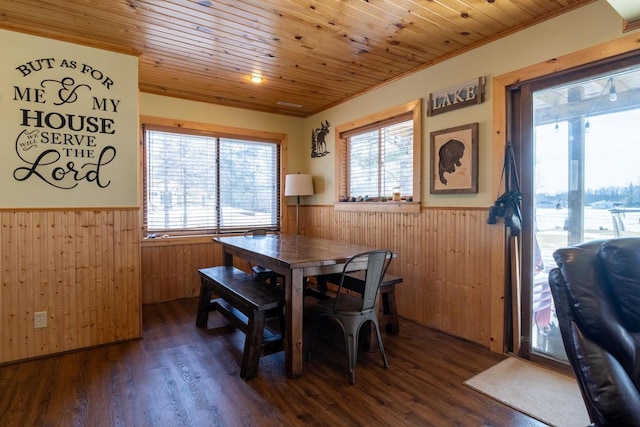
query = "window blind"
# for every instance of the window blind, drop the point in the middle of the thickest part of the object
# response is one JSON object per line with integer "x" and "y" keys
{"x": 249, "y": 192}
{"x": 380, "y": 160}
{"x": 196, "y": 183}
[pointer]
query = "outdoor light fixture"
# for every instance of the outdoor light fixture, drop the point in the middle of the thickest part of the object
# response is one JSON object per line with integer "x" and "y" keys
{"x": 613, "y": 96}
{"x": 298, "y": 185}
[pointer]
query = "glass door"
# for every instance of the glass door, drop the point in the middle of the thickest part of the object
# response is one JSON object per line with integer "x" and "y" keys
{"x": 580, "y": 160}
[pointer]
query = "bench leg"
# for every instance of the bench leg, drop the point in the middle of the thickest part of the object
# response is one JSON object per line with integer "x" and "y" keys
{"x": 390, "y": 311}
{"x": 252, "y": 346}
{"x": 389, "y": 318}
{"x": 202, "y": 315}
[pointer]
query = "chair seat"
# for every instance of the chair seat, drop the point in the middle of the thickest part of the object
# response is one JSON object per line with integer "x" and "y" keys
{"x": 263, "y": 273}
{"x": 258, "y": 269}
{"x": 346, "y": 305}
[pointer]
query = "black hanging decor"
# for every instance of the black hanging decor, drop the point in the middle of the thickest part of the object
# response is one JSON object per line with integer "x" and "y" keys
{"x": 507, "y": 205}
{"x": 318, "y": 144}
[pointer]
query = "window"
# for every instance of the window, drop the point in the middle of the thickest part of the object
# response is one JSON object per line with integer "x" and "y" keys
{"x": 200, "y": 181}
{"x": 378, "y": 156}
{"x": 381, "y": 160}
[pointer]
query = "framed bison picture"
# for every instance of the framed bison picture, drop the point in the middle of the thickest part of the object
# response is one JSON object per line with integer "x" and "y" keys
{"x": 454, "y": 160}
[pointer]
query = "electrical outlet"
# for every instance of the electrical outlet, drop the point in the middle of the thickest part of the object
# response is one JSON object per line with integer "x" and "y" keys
{"x": 40, "y": 319}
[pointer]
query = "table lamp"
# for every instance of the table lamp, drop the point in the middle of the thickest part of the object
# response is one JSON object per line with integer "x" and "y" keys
{"x": 298, "y": 184}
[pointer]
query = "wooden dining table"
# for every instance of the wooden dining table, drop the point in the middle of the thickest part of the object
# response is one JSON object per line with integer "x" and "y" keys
{"x": 294, "y": 257}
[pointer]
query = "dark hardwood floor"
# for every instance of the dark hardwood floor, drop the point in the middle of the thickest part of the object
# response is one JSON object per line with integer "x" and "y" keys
{"x": 179, "y": 375}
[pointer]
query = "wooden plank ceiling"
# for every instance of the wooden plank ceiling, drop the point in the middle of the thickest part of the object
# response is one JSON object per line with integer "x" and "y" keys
{"x": 311, "y": 53}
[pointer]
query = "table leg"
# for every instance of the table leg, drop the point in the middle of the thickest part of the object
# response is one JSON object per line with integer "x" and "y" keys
{"x": 294, "y": 296}
{"x": 204, "y": 302}
{"x": 227, "y": 259}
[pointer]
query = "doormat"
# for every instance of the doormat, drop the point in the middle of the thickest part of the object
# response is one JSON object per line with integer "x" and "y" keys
{"x": 541, "y": 393}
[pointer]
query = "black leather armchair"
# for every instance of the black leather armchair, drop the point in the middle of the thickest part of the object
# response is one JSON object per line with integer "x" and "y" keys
{"x": 596, "y": 290}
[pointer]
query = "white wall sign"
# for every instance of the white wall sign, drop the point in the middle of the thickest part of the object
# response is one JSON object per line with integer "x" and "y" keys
{"x": 69, "y": 118}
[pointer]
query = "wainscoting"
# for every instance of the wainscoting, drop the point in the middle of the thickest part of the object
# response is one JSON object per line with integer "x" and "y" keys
{"x": 80, "y": 266}
{"x": 170, "y": 267}
{"x": 451, "y": 261}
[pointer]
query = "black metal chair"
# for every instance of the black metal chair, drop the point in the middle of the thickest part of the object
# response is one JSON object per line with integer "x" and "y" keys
{"x": 259, "y": 272}
{"x": 351, "y": 312}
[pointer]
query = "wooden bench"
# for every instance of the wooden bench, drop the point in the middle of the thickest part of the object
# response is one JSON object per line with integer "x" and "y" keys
{"x": 355, "y": 282}
{"x": 246, "y": 303}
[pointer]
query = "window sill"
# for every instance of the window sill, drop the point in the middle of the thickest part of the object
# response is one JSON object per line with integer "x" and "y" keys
{"x": 178, "y": 240}
{"x": 392, "y": 207}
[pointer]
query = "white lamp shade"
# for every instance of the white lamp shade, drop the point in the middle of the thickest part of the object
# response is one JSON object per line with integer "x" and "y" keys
{"x": 298, "y": 184}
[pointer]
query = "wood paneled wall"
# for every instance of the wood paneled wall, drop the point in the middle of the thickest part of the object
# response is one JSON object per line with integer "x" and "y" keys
{"x": 446, "y": 256}
{"x": 170, "y": 270}
{"x": 81, "y": 266}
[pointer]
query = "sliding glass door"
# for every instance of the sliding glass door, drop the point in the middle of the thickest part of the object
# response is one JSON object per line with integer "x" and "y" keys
{"x": 579, "y": 149}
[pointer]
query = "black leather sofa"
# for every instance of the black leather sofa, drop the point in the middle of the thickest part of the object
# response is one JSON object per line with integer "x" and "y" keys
{"x": 596, "y": 290}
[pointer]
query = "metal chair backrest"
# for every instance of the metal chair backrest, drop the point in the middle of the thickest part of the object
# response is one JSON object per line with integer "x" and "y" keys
{"x": 377, "y": 264}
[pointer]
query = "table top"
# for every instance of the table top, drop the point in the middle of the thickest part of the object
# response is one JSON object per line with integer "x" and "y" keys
{"x": 295, "y": 250}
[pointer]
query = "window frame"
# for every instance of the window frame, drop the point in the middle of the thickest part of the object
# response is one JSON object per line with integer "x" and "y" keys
{"x": 378, "y": 120}
{"x": 217, "y": 131}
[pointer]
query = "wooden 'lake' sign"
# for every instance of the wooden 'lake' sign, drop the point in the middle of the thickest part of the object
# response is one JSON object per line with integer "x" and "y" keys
{"x": 459, "y": 96}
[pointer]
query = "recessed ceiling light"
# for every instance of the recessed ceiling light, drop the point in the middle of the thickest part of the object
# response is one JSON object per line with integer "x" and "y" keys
{"x": 288, "y": 104}
{"x": 256, "y": 78}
